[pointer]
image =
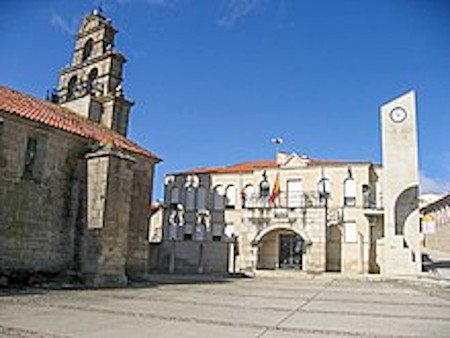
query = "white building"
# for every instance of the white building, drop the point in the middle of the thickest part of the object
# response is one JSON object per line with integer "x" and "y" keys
{"x": 299, "y": 212}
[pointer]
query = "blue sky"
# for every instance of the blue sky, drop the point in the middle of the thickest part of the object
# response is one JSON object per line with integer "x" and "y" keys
{"x": 215, "y": 80}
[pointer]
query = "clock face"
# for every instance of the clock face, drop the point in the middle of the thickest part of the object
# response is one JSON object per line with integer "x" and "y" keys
{"x": 398, "y": 114}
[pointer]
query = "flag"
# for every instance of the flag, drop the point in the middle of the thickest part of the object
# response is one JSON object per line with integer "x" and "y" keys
{"x": 275, "y": 190}
{"x": 277, "y": 140}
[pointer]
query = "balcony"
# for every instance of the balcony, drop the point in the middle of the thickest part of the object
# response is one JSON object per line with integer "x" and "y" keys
{"x": 285, "y": 209}
{"x": 293, "y": 200}
{"x": 372, "y": 206}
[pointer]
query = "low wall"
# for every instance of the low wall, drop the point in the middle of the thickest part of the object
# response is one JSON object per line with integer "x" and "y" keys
{"x": 189, "y": 257}
{"x": 440, "y": 240}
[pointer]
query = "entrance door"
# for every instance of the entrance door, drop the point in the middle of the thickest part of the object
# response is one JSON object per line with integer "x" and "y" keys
{"x": 290, "y": 251}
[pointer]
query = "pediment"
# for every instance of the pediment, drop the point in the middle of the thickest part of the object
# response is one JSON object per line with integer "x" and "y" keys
{"x": 295, "y": 161}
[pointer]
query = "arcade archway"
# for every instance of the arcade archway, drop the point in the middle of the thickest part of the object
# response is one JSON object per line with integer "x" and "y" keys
{"x": 280, "y": 248}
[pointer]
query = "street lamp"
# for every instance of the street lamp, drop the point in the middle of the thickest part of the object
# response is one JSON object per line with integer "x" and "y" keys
{"x": 324, "y": 189}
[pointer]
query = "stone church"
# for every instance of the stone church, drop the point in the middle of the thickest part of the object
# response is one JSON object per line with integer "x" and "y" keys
{"x": 74, "y": 190}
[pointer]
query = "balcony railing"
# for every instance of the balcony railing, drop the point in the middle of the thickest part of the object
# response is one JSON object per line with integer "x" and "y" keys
{"x": 285, "y": 200}
{"x": 373, "y": 205}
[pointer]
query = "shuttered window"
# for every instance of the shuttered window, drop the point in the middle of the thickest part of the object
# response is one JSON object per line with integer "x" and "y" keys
{"x": 190, "y": 198}
{"x": 349, "y": 192}
{"x": 175, "y": 195}
{"x": 201, "y": 198}
{"x": 230, "y": 196}
{"x": 219, "y": 197}
{"x": 294, "y": 193}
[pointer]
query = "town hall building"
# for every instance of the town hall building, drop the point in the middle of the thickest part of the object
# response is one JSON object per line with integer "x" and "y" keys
{"x": 299, "y": 212}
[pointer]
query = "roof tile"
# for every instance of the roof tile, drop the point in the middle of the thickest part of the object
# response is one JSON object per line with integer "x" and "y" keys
{"x": 250, "y": 166}
{"x": 58, "y": 117}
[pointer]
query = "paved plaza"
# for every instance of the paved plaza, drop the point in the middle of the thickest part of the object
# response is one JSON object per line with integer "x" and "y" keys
{"x": 271, "y": 305}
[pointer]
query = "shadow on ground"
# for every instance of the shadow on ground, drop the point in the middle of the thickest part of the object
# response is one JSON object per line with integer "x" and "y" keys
{"x": 41, "y": 284}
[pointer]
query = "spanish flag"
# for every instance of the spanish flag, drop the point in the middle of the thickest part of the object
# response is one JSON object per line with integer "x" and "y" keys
{"x": 275, "y": 190}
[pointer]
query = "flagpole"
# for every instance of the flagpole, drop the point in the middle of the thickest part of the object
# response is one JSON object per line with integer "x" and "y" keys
{"x": 277, "y": 142}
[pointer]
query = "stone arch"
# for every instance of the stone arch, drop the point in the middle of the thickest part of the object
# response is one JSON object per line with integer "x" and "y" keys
{"x": 91, "y": 79}
{"x": 349, "y": 191}
{"x": 219, "y": 197}
{"x": 71, "y": 87}
{"x": 280, "y": 246}
{"x": 406, "y": 203}
{"x": 247, "y": 194}
{"x": 87, "y": 49}
{"x": 260, "y": 235}
{"x": 230, "y": 195}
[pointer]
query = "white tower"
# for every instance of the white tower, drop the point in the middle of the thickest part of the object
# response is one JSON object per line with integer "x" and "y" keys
{"x": 400, "y": 251}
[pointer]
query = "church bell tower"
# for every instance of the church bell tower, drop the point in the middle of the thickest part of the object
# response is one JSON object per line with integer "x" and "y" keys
{"x": 91, "y": 85}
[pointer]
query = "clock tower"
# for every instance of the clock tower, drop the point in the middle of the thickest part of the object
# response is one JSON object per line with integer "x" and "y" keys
{"x": 91, "y": 85}
{"x": 400, "y": 247}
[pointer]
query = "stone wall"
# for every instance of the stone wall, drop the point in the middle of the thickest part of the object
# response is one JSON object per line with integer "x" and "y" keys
{"x": 37, "y": 231}
{"x": 61, "y": 211}
{"x": 110, "y": 177}
{"x": 440, "y": 240}
{"x": 193, "y": 257}
{"x": 138, "y": 227}
{"x": 435, "y": 224}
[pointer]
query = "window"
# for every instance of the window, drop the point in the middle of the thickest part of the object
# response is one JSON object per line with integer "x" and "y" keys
{"x": 201, "y": 198}
{"x": 87, "y": 49}
{"x": 230, "y": 195}
{"x": 247, "y": 195}
{"x": 349, "y": 192}
{"x": 294, "y": 193}
{"x": 217, "y": 238}
{"x": 190, "y": 198}
{"x": 187, "y": 237}
{"x": 30, "y": 158}
{"x": 175, "y": 195}
{"x": 91, "y": 80}
{"x": 219, "y": 198}
{"x": 71, "y": 87}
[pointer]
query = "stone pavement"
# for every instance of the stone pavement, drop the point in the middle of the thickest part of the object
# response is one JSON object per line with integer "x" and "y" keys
{"x": 270, "y": 305}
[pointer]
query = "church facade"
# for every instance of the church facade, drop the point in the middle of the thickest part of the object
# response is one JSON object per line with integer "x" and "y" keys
{"x": 74, "y": 190}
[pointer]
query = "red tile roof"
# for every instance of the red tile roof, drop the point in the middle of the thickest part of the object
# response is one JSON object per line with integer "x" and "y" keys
{"x": 250, "y": 166}
{"x": 58, "y": 117}
{"x": 244, "y": 167}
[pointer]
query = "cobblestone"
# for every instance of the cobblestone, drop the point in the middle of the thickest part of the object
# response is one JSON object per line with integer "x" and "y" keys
{"x": 284, "y": 305}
